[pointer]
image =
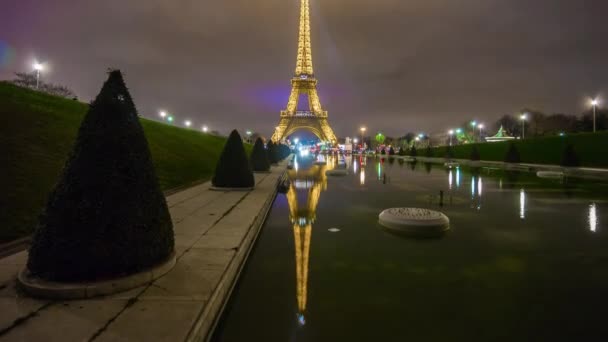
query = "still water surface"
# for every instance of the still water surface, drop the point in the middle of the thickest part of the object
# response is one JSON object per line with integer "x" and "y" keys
{"x": 526, "y": 259}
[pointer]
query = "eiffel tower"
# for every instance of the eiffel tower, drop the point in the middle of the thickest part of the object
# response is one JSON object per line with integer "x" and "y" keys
{"x": 304, "y": 82}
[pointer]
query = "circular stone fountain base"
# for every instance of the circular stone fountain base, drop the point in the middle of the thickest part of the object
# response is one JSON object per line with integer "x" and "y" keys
{"x": 415, "y": 221}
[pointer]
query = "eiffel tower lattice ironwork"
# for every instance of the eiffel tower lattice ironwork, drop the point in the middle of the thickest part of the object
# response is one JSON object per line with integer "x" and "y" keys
{"x": 304, "y": 82}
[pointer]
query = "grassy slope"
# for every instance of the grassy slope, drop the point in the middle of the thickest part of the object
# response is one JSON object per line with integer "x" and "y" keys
{"x": 589, "y": 147}
{"x": 36, "y": 134}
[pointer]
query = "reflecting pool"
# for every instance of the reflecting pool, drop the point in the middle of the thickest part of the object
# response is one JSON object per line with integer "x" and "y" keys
{"x": 525, "y": 259}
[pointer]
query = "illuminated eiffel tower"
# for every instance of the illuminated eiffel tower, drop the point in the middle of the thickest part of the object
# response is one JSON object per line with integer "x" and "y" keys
{"x": 304, "y": 82}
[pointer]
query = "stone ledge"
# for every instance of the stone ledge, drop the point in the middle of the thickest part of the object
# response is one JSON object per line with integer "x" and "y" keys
{"x": 215, "y": 188}
{"x": 40, "y": 288}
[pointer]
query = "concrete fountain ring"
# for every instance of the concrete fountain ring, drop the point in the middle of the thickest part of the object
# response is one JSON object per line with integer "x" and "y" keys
{"x": 415, "y": 221}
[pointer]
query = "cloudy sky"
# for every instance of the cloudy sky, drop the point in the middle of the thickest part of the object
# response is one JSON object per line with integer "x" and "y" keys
{"x": 392, "y": 65}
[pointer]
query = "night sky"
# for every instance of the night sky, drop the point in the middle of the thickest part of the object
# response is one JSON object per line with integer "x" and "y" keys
{"x": 392, "y": 65}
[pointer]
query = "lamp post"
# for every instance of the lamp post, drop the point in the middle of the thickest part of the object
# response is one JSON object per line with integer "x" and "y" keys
{"x": 163, "y": 114}
{"x": 594, "y": 103}
{"x": 38, "y": 68}
{"x": 188, "y": 123}
{"x": 451, "y": 133}
{"x": 170, "y": 119}
{"x": 523, "y": 118}
{"x": 363, "y": 129}
{"x": 205, "y": 129}
{"x": 480, "y": 126}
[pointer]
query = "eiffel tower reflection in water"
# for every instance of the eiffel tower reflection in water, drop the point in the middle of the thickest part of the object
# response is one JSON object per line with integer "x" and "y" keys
{"x": 306, "y": 185}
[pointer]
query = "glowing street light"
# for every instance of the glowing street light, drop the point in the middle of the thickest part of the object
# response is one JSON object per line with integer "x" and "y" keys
{"x": 594, "y": 103}
{"x": 480, "y": 126}
{"x": 473, "y": 123}
{"x": 363, "y": 129}
{"x": 458, "y": 131}
{"x": 523, "y": 118}
{"x": 38, "y": 67}
{"x": 296, "y": 141}
{"x": 205, "y": 129}
{"x": 163, "y": 114}
{"x": 170, "y": 119}
{"x": 451, "y": 133}
{"x": 188, "y": 123}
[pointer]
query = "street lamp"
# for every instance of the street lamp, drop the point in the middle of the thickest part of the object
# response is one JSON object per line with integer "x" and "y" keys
{"x": 188, "y": 123}
{"x": 594, "y": 103}
{"x": 38, "y": 67}
{"x": 473, "y": 123}
{"x": 523, "y": 118}
{"x": 480, "y": 126}
{"x": 163, "y": 114}
{"x": 205, "y": 129}
{"x": 451, "y": 133}
{"x": 170, "y": 119}
{"x": 363, "y": 129}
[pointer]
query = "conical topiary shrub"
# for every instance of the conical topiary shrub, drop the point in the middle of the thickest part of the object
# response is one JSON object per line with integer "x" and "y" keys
{"x": 401, "y": 152}
{"x": 233, "y": 169}
{"x": 569, "y": 157}
{"x": 107, "y": 216}
{"x": 391, "y": 151}
{"x": 413, "y": 151}
{"x": 428, "y": 152}
{"x": 259, "y": 157}
{"x": 512, "y": 155}
{"x": 271, "y": 151}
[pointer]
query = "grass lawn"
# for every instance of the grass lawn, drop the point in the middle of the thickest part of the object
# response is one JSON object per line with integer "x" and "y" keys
{"x": 548, "y": 150}
{"x": 36, "y": 134}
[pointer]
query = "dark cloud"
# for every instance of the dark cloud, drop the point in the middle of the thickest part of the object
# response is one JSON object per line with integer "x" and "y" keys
{"x": 394, "y": 65}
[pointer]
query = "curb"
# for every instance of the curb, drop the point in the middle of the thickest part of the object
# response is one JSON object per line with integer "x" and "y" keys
{"x": 215, "y": 188}
{"x": 204, "y": 325}
{"x": 40, "y": 288}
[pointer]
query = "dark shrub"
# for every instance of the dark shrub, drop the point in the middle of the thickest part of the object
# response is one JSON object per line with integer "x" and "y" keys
{"x": 401, "y": 162}
{"x": 449, "y": 152}
{"x": 283, "y": 151}
{"x": 428, "y": 152}
{"x": 233, "y": 170}
{"x": 271, "y": 150}
{"x": 391, "y": 160}
{"x": 413, "y": 151}
{"x": 259, "y": 157}
{"x": 512, "y": 155}
{"x": 391, "y": 151}
{"x": 569, "y": 157}
{"x": 383, "y": 152}
{"x": 107, "y": 216}
{"x": 475, "y": 154}
{"x": 402, "y": 151}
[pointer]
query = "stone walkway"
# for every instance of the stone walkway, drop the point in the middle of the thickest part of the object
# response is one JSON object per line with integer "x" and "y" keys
{"x": 213, "y": 235}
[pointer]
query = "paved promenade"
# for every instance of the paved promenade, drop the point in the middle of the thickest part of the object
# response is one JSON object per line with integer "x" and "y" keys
{"x": 213, "y": 235}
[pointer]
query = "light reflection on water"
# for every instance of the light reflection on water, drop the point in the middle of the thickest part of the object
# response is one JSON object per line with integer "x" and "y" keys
{"x": 593, "y": 221}
{"x": 336, "y": 263}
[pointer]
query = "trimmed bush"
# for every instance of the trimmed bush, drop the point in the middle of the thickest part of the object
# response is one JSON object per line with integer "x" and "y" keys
{"x": 383, "y": 152}
{"x": 107, "y": 216}
{"x": 391, "y": 151}
{"x": 475, "y": 154}
{"x": 512, "y": 155}
{"x": 233, "y": 169}
{"x": 428, "y": 152}
{"x": 283, "y": 151}
{"x": 570, "y": 157}
{"x": 449, "y": 152}
{"x": 271, "y": 150}
{"x": 259, "y": 157}
{"x": 413, "y": 151}
{"x": 401, "y": 152}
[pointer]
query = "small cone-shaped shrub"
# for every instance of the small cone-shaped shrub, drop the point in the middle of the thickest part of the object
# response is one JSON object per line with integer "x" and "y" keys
{"x": 429, "y": 152}
{"x": 413, "y": 151}
{"x": 107, "y": 216}
{"x": 391, "y": 151}
{"x": 475, "y": 154}
{"x": 259, "y": 157}
{"x": 283, "y": 151}
{"x": 512, "y": 155}
{"x": 449, "y": 152}
{"x": 383, "y": 152}
{"x": 569, "y": 157}
{"x": 271, "y": 150}
{"x": 401, "y": 152}
{"x": 233, "y": 169}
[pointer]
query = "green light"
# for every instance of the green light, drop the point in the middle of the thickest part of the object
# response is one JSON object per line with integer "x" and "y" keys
{"x": 170, "y": 119}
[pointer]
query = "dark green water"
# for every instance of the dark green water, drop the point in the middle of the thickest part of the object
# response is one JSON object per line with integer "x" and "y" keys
{"x": 525, "y": 260}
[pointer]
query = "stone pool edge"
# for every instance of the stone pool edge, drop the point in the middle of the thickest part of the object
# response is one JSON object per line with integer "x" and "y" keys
{"x": 205, "y": 324}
